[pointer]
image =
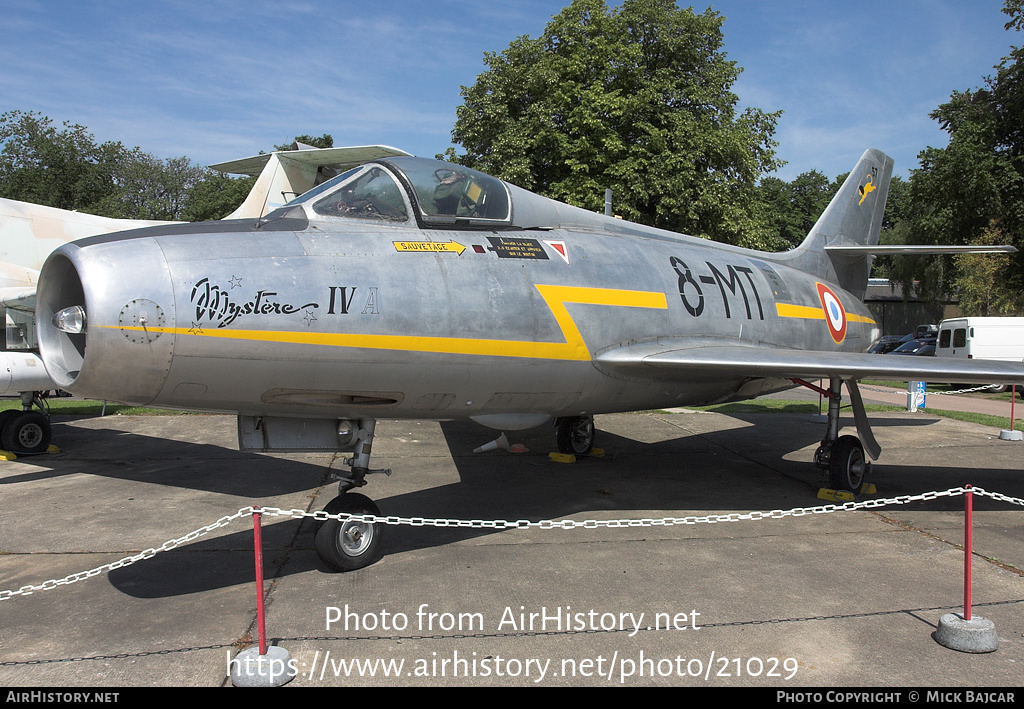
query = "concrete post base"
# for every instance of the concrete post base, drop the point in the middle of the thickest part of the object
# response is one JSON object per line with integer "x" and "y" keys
{"x": 976, "y": 635}
{"x": 250, "y": 669}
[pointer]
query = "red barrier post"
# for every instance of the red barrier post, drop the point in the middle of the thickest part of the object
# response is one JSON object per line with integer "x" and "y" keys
{"x": 1013, "y": 400}
{"x": 968, "y": 542}
{"x": 261, "y": 625}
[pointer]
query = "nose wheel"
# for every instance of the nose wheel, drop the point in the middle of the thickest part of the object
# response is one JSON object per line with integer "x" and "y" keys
{"x": 347, "y": 544}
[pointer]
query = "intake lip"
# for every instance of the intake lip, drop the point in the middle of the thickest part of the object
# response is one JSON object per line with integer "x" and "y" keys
{"x": 60, "y": 288}
{"x": 105, "y": 319}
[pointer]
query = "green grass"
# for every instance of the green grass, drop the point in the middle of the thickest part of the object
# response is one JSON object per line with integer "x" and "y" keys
{"x": 995, "y": 396}
{"x": 761, "y": 406}
{"x": 69, "y": 406}
{"x": 782, "y": 406}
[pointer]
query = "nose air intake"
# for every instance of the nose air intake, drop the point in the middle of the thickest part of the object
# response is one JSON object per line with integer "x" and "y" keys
{"x": 103, "y": 334}
{"x": 62, "y": 349}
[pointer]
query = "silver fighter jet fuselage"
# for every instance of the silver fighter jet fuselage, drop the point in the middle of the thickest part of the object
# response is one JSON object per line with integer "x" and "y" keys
{"x": 413, "y": 288}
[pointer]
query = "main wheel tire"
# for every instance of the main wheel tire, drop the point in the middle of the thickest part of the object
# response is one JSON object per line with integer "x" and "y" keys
{"x": 576, "y": 435}
{"x": 847, "y": 465}
{"x": 25, "y": 432}
{"x": 346, "y": 545}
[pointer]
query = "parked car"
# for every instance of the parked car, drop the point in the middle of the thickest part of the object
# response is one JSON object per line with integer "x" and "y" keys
{"x": 914, "y": 336}
{"x": 885, "y": 344}
{"x": 916, "y": 347}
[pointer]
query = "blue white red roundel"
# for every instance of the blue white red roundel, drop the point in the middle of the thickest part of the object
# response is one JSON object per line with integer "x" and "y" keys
{"x": 835, "y": 314}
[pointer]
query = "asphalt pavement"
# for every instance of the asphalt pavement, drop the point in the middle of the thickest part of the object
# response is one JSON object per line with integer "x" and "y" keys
{"x": 815, "y": 599}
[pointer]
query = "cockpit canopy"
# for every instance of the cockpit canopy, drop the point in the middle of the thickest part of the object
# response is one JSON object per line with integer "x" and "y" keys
{"x": 436, "y": 193}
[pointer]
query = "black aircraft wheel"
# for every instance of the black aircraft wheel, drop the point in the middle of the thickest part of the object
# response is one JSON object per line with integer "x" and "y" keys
{"x": 25, "y": 432}
{"x": 576, "y": 435}
{"x": 346, "y": 545}
{"x": 847, "y": 464}
{"x": 6, "y": 416}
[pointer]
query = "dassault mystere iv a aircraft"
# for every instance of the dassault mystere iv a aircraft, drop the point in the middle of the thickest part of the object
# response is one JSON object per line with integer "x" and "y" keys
{"x": 30, "y": 232}
{"x": 415, "y": 288}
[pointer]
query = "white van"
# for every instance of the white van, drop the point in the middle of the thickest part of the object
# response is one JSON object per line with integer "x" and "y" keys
{"x": 982, "y": 338}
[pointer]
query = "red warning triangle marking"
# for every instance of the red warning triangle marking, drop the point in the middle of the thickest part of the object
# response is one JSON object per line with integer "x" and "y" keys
{"x": 560, "y": 248}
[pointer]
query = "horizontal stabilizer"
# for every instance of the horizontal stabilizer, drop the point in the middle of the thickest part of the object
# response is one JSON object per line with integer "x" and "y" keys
{"x": 678, "y": 358}
{"x": 339, "y": 158}
{"x": 918, "y": 250}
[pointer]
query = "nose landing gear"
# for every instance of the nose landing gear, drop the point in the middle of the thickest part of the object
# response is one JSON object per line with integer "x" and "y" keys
{"x": 349, "y": 544}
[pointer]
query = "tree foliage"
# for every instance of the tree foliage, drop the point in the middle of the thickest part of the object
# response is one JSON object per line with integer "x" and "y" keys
{"x": 636, "y": 99}
{"x": 972, "y": 192}
{"x": 66, "y": 168}
{"x": 793, "y": 207}
{"x": 323, "y": 141}
{"x": 63, "y": 168}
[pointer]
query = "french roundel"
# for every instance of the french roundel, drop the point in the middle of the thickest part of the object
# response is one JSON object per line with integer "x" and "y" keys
{"x": 835, "y": 314}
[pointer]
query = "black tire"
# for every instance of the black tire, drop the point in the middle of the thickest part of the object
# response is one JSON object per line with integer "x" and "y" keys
{"x": 6, "y": 416}
{"x": 346, "y": 545}
{"x": 576, "y": 435}
{"x": 847, "y": 465}
{"x": 26, "y": 432}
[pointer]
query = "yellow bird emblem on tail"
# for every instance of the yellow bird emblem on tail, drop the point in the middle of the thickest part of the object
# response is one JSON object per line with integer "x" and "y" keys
{"x": 867, "y": 187}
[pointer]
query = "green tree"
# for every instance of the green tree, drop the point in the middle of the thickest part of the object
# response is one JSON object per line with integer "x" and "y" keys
{"x": 970, "y": 192}
{"x": 150, "y": 188}
{"x": 636, "y": 99}
{"x": 982, "y": 286}
{"x": 793, "y": 207}
{"x": 324, "y": 141}
{"x": 216, "y": 196}
{"x": 65, "y": 168}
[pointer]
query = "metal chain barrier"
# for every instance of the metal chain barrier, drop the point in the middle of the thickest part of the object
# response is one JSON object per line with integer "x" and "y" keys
{"x": 943, "y": 393}
{"x": 128, "y": 560}
{"x": 966, "y": 391}
{"x": 505, "y": 524}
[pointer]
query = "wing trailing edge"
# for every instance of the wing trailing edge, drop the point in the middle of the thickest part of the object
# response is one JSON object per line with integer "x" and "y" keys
{"x": 678, "y": 359}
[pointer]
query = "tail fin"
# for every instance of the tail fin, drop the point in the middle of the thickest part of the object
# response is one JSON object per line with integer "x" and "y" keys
{"x": 839, "y": 245}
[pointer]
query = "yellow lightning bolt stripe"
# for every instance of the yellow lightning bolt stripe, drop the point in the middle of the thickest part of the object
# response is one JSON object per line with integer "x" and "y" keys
{"x": 808, "y": 312}
{"x": 556, "y": 297}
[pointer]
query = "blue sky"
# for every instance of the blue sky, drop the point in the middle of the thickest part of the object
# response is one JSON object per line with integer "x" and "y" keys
{"x": 220, "y": 80}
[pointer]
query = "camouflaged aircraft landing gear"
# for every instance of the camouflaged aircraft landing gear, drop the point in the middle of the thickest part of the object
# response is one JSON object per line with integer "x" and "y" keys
{"x": 844, "y": 457}
{"x": 25, "y": 432}
{"x": 575, "y": 434}
{"x": 347, "y": 544}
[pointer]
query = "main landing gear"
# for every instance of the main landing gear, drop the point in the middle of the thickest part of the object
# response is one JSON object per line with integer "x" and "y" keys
{"x": 347, "y": 544}
{"x": 844, "y": 457}
{"x": 575, "y": 434}
{"x": 27, "y": 431}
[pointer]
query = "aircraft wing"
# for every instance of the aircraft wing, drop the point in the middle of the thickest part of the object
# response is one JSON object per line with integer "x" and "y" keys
{"x": 21, "y": 298}
{"x": 680, "y": 358}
